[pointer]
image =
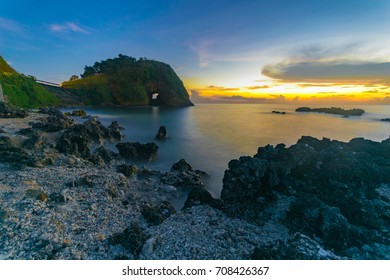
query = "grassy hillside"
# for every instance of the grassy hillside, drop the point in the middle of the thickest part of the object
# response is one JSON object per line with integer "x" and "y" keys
{"x": 5, "y": 68}
{"x": 127, "y": 81}
{"x": 22, "y": 91}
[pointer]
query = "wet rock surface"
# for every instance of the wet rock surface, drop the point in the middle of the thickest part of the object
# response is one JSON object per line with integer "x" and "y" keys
{"x": 331, "y": 191}
{"x": 138, "y": 151}
{"x": 75, "y": 141}
{"x": 156, "y": 214}
{"x": 8, "y": 112}
{"x": 162, "y": 133}
{"x": 53, "y": 123}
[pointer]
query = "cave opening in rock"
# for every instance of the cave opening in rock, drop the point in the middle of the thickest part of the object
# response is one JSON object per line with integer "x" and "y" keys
{"x": 154, "y": 99}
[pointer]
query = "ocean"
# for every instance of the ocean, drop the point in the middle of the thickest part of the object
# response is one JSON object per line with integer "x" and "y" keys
{"x": 208, "y": 136}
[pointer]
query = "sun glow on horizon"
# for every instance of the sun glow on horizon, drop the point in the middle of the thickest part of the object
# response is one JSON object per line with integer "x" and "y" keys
{"x": 270, "y": 90}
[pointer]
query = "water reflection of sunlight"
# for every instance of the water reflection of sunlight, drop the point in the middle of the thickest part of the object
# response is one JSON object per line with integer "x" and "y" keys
{"x": 155, "y": 115}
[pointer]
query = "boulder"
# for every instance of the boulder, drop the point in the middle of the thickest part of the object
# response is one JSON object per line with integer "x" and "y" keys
{"x": 8, "y": 112}
{"x": 78, "y": 113}
{"x": 132, "y": 239}
{"x": 328, "y": 190}
{"x": 182, "y": 175}
{"x": 200, "y": 196}
{"x": 11, "y": 152}
{"x": 53, "y": 123}
{"x": 181, "y": 166}
{"x": 96, "y": 130}
{"x": 162, "y": 133}
{"x": 75, "y": 141}
{"x": 27, "y": 132}
{"x": 50, "y": 111}
{"x": 105, "y": 154}
{"x": 35, "y": 142}
{"x": 114, "y": 130}
{"x": 137, "y": 151}
{"x": 129, "y": 170}
{"x": 155, "y": 215}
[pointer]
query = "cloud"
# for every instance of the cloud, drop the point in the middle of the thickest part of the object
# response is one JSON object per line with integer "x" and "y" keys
{"x": 257, "y": 87}
{"x": 11, "y": 26}
{"x": 330, "y": 72}
{"x": 275, "y": 99}
{"x": 69, "y": 26}
{"x": 316, "y": 85}
{"x": 219, "y": 88}
{"x": 196, "y": 97}
{"x": 203, "y": 52}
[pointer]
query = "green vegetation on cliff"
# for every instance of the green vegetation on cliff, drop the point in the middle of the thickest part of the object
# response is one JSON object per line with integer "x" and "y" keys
{"x": 127, "y": 81}
{"x": 22, "y": 91}
{"x": 5, "y": 68}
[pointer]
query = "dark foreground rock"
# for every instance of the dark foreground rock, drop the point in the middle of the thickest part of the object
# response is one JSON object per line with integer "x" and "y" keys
{"x": 298, "y": 247}
{"x": 137, "y": 151}
{"x": 13, "y": 153}
{"x": 132, "y": 238}
{"x": 156, "y": 214}
{"x": 334, "y": 192}
{"x": 114, "y": 130}
{"x": 96, "y": 130}
{"x": 8, "y": 112}
{"x": 75, "y": 141}
{"x": 53, "y": 123}
{"x": 129, "y": 170}
{"x": 50, "y": 111}
{"x": 78, "y": 113}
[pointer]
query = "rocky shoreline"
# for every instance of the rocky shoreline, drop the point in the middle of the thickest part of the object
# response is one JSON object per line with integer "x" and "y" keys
{"x": 64, "y": 195}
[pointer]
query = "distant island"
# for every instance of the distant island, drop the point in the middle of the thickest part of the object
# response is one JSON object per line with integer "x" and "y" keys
{"x": 279, "y": 112}
{"x": 332, "y": 110}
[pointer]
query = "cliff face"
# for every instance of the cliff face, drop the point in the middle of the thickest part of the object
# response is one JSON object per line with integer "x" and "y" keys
{"x": 127, "y": 81}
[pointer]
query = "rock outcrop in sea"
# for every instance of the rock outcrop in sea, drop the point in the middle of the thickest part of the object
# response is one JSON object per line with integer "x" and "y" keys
{"x": 334, "y": 193}
{"x": 333, "y": 110}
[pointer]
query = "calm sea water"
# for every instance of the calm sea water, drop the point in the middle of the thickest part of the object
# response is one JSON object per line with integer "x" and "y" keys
{"x": 208, "y": 136}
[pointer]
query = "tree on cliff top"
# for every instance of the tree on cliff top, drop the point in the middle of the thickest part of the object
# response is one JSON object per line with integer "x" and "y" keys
{"x": 125, "y": 80}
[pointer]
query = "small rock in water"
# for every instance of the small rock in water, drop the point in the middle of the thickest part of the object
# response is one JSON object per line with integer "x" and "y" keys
{"x": 138, "y": 151}
{"x": 162, "y": 133}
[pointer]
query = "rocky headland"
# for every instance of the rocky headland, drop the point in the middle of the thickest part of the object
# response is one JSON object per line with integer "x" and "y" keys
{"x": 65, "y": 195}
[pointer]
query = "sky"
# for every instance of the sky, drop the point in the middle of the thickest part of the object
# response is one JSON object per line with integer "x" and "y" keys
{"x": 285, "y": 51}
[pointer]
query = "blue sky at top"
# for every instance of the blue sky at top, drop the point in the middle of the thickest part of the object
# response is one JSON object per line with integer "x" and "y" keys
{"x": 220, "y": 43}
